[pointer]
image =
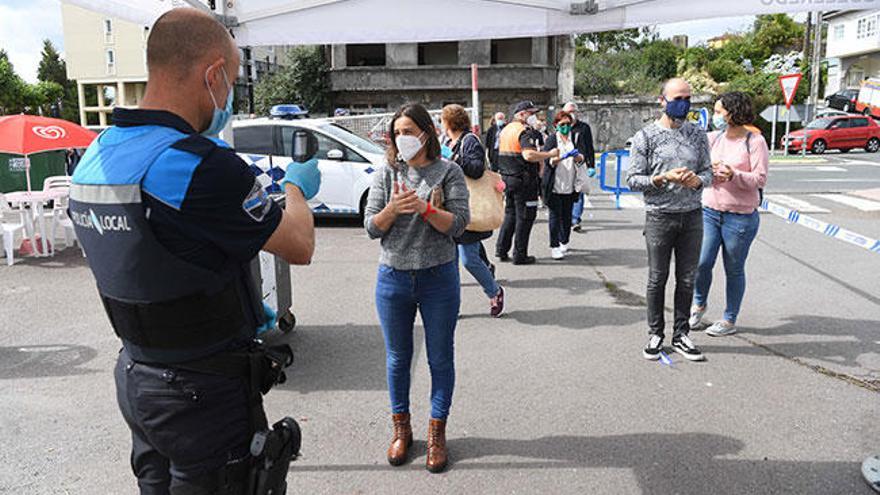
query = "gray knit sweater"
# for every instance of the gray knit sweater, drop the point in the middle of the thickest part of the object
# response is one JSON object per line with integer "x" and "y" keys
{"x": 412, "y": 243}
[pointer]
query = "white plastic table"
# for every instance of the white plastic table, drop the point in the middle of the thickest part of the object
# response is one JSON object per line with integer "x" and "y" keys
{"x": 35, "y": 200}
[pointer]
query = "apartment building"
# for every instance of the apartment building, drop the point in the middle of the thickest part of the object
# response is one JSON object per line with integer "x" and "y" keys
{"x": 852, "y": 48}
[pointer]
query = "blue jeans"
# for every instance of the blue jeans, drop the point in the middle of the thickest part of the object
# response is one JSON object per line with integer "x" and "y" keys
{"x": 473, "y": 262}
{"x": 734, "y": 233}
{"x": 436, "y": 294}
{"x": 577, "y": 209}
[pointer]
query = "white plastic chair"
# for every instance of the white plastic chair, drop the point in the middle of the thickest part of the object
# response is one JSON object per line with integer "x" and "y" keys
{"x": 56, "y": 182}
{"x": 60, "y": 218}
{"x": 9, "y": 228}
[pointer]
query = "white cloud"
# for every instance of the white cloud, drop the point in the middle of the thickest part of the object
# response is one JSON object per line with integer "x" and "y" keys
{"x": 702, "y": 30}
{"x": 23, "y": 27}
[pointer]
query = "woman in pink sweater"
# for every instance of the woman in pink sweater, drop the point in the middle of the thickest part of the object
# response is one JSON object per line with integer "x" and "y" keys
{"x": 730, "y": 206}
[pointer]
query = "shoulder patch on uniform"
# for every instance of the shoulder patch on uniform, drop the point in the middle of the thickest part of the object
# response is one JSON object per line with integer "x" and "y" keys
{"x": 257, "y": 203}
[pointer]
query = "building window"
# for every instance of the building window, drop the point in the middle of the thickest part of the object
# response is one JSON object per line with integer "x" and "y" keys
{"x": 372, "y": 55}
{"x": 111, "y": 61}
{"x": 839, "y": 32}
{"x": 866, "y": 27}
{"x": 438, "y": 53}
{"x": 512, "y": 51}
{"x": 108, "y": 30}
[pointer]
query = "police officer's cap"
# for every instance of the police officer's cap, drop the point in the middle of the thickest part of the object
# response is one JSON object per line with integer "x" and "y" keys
{"x": 525, "y": 106}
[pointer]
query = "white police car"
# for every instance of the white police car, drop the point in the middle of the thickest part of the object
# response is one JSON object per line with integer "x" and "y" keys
{"x": 346, "y": 160}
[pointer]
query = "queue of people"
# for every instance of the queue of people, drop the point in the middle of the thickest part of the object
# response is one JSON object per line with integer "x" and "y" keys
{"x": 178, "y": 289}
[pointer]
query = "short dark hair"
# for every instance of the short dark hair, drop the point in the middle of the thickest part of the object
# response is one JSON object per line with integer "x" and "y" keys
{"x": 562, "y": 114}
{"x": 739, "y": 107}
{"x": 456, "y": 117}
{"x": 184, "y": 36}
{"x": 423, "y": 121}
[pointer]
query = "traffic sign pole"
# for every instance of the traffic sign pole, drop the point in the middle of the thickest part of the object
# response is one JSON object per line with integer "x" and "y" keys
{"x": 788, "y": 129}
{"x": 773, "y": 130}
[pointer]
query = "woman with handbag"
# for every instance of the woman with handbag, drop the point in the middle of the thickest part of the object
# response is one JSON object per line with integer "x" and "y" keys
{"x": 563, "y": 179}
{"x": 417, "y": 206}
{"x": 465, "y": 149}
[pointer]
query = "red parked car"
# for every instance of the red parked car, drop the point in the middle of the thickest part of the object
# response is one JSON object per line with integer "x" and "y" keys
{"x": 836, "y": 133}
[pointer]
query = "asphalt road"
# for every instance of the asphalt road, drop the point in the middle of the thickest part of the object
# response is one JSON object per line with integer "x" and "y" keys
{"x": 552, "y": 398}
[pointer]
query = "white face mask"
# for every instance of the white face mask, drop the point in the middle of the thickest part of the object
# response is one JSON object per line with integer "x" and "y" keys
{"x": 409, "y": 146}
{"x": 532, "y": 121}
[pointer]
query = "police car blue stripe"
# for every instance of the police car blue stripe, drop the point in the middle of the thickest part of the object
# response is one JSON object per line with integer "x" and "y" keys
{"x": 169, "y": 179}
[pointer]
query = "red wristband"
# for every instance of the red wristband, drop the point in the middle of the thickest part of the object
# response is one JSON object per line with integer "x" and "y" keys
{"x": 429, "y": 210}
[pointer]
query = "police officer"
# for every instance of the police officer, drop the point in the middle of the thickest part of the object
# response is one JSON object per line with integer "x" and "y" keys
{"x": 170, "y": 219}
{"x": 519, "y": 160}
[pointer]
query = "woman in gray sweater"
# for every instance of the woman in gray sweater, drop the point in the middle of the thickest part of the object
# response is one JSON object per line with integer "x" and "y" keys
{"x": 417, "y": 206}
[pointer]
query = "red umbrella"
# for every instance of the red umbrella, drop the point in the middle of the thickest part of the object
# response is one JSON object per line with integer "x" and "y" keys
{"x": 28, "y": 134}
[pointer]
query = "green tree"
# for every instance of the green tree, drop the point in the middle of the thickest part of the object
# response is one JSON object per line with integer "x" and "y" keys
{"x": 778, "y": 33}
{"x": 304, "y": 80}
{"x": 614, "y": 41}
{"x": 724, "y": 70}
{"x": 12, "y": 88}
{"x": 660, "y": 59}
{"x": 53, "y": 69}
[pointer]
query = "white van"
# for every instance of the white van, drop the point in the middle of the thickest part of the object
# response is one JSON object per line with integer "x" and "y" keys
{"x": 868, "y": 102}
{"x": 346, "y": 160}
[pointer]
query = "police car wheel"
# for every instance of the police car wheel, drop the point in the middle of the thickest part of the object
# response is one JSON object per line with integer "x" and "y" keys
{"x": 287, "y": 322}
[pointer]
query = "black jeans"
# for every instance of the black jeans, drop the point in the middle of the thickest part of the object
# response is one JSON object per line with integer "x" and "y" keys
{"x": 665, "y": 234}
{"x": 521, "y": 208}
{"x": 190, "y": 432}
{"x": 560, "y": 206}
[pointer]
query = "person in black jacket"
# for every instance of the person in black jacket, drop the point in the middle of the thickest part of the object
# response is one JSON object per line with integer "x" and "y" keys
{"x": 492, "y": 139}
{"x": 465, "y": 149}
{"x": 582, "y": 136}
{"x": 562, "y": 180}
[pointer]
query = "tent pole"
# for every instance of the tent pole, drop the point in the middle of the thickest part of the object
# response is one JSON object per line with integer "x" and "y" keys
{"x": 475, "y": 100}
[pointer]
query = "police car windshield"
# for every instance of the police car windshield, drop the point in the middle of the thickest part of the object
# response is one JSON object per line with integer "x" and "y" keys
{"x": 352, "y": 139}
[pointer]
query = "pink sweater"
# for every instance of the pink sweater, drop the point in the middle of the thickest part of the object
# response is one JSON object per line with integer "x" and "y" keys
{"x": 740, "y": 194}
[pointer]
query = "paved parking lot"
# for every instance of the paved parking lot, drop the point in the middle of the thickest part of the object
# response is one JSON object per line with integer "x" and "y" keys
{"x": 552, "y": 398}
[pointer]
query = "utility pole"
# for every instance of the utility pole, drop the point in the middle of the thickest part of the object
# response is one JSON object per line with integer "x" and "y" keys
{"x": 814, "y": 65}
{"x": 807, "y": 32}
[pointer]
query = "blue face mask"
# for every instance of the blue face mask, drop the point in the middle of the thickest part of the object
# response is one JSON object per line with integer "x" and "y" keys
{"x": 718, "y": 122}
{"x": 677, "y": 109}
{"x": 499, "y": 123}
{"x": 221, "y": 115}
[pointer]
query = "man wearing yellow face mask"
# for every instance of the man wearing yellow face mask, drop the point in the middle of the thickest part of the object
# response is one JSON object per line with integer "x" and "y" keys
{"x": 170, "y": 219}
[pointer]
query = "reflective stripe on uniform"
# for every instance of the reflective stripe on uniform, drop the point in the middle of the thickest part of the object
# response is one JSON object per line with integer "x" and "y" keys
{"x": 106, "y": 194}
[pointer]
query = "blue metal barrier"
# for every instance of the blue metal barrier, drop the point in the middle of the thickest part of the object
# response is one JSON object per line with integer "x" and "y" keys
{"x": 618, "y": 188}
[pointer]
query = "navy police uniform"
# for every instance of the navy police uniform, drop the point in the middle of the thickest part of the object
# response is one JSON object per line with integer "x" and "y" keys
{"x": 521, "y": 189}
{"x": 170, "y": 221}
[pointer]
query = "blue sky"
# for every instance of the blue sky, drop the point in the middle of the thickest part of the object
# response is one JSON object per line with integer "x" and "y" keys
{"x": 25, "y": 23}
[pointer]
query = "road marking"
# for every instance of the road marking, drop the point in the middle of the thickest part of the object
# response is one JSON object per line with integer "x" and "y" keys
{"x": 631, "y": 202}
{"x": 796, "y": 204}
{"x": 838, "y": 180}
{"x": 809, "y": 169}
{"x": 830, "y": 169}
{"x": 830, "y": 230}
{"x": 858, "y": 203}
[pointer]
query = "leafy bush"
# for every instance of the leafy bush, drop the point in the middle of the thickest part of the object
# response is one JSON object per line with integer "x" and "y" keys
{"x": 723, "y": 70}
{"x": 660, "y": 59}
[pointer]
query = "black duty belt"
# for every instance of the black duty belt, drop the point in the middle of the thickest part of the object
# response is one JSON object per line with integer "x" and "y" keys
{"x": 195, "y": 321}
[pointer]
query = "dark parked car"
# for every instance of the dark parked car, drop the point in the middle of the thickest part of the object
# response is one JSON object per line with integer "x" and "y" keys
{"x": 842, "y": 133}
{"x": 843, "y": 100}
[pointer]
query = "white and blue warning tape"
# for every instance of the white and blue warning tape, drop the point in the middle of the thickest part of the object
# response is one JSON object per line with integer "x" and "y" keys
{"x": 825, "y": 228}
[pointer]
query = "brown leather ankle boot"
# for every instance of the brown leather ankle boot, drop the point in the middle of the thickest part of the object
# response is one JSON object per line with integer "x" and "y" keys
{"x": 437, "y": 454}
{"x": 401, "y": 441}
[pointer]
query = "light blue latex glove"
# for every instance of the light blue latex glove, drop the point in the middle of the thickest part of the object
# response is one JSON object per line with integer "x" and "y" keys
{"x": 591, "y": 172}
{"x": 271, "y": 319}
{"x": 445, "y": 151}
{"x": 305, "y": 176}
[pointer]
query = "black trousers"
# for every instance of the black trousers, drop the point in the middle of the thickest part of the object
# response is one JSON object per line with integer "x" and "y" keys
{"x": 190, "y": 431}
{"x": 559, "y": 206}
{"x": 668, "y": 234}
{"x": 521, "y": 208}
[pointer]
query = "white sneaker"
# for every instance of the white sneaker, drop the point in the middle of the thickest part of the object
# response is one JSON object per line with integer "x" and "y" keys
{"x": 564, "y": 248}
{"x": 720, "y": 329}
{"x": 557, "y": 253}
{"x": 696, "y": 317}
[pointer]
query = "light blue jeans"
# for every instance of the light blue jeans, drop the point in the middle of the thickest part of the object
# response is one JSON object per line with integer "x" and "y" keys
{"x": 473, "y": 262}
{"x": 577, "y": 209}
{"x": 733, "y": 233}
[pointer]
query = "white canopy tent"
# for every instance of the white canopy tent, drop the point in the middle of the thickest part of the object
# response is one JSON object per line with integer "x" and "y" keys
{"x": 285, "y": 22}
